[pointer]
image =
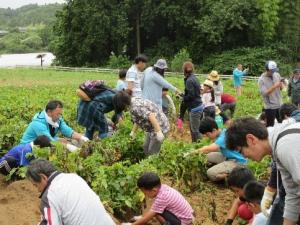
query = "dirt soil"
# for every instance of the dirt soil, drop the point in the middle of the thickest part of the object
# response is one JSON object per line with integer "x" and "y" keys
{"x": 19, "y": 203}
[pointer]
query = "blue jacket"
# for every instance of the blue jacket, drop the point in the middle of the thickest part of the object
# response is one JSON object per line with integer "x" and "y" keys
{"x": 39, "y": 126}
{"x": 191, "y": 96}
{"x": 19, "y": 154}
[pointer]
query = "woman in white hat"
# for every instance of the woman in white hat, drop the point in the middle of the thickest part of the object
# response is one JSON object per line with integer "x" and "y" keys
{"x": 208, "y": 99}
{"x": 217, "y": 85}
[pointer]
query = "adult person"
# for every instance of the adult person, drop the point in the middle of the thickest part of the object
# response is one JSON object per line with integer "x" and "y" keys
{"x": 91, "y": 114}
{"x": 294, "y": 87}
{"x": 151, "y": 119}
{"x": 66, "y": 199}
{"x": 134, "y": 75}
{"x": 251, "y": 138}
{"x": 238, "y": 73}
{"x": 49, "y": 122}
{"x": 217, "y": 85}
{"x": 18, "y": 155}
{"x": 270, "y": 85}
{"x": 153, "y": 82}
{"x": 228, "y": 102}
{"x": 192, "y": 99}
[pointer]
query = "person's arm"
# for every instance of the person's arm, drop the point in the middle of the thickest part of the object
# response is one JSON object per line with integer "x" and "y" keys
{"x": 238, "y": 73}
{"x": 163, "y": 83}
{"x": 50, "y": 215}
{"x": 66, "y": 130}
{"x": 233, "y": 211}
{"x": 154, "y": 122}
{"x": 267, "y": 91}
{"x": 207, "y": 149}
{"x": 145, "y": 218}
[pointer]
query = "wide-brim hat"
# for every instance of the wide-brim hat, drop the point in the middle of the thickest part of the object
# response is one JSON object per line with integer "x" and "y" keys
{"x": 213, "y": 76}
{"x": 208, "y": 83}
{"x": 161, "y": 64}
{"x": 217, "y": 110}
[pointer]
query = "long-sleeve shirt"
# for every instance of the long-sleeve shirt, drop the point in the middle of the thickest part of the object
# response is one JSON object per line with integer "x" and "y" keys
{"x": 237, "y": 77}
{"x": 192, "y": 97}
{"x": 287, "y": 157}
{"x": 68, "y": 200}
{"x": 39, "y": 126}
{"x": 218, "y": 89}
{"x": 152, "y": 84}
{"x": 19, "y": 153}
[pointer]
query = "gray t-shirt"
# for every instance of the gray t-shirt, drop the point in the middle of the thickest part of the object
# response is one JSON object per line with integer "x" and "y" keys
{"x": 273, "y": 100}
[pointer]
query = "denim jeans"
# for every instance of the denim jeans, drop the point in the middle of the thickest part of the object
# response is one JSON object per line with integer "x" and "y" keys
{"x": 89, "y": 133}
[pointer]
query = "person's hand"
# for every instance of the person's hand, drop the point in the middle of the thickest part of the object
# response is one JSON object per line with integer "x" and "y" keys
{"x": 135, "y": 218}
{"x": 84, "y": 139}
{"x": 132, "y": 134}
{"x": 71, "y": 148}
{"x": 179, "y": 123}
{"x": 246, "y": 70}
{"x": 160, "y": 136}
{"x": 278, "y": 84}
{"x": 266, "y": 201}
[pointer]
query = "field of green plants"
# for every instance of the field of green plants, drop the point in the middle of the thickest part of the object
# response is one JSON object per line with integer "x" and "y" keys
{"x": 111, "y": 166}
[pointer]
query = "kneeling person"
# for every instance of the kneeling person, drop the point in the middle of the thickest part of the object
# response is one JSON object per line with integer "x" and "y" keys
{"x": 169, "y": 206}
{"x": 17, "y": 156}
{"x": 217, "y": 153}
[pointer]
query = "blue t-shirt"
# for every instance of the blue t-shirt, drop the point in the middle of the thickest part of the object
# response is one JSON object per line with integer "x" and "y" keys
{"x": 229, "y": 154}
{"x": 19, "y": 153}
{"x": 121, "y": 85}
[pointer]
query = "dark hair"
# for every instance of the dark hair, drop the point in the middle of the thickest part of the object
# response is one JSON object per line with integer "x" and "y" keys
{"x": 239, "y": 177}
{"x": 286, "y": 109}
{"x": 38, "y": 167}
{"x": 148, "y": 181}
{"x": 262, "y": 116}
{"x": 53, "y": 104}
{"x": 216, "y": 82}
{"x": 236, "y": 133}
{"x": 165, "y": 89}
{"x": 121, "y": 100}
{"x": 159, "y": 71}
{"x": 122, "y": 73}
{"x": 254, "y": 191}
{"x": 212, "y": 93}
{"x": 42, "y": 141}
{"x": 140, "y": 58}
{"x": 207, "y": 125}
{"x": 188, "y": 68}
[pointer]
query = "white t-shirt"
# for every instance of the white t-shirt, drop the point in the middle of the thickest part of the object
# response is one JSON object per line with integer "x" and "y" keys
{"x": 134, "y": 75}
{"x": 260, "y": 219}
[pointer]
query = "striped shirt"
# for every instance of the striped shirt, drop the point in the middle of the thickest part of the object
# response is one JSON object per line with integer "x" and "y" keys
{"x": 171, "y": 200}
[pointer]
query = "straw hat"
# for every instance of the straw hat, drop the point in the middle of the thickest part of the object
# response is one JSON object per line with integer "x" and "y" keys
{"x": 217, "y": 110}
{"x": 208, "y": 83}
{"x": 213, "y": 76}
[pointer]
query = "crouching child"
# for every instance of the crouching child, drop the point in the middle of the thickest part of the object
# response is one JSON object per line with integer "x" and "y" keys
{"x": 223, "y": 159}
{"x": 169, "y": 206}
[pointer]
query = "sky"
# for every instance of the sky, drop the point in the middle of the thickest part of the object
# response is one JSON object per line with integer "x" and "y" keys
{"x": 18, "y": 3}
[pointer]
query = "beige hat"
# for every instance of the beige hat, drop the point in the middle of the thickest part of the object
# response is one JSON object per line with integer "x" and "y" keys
{"x": 218, "y": 111}
{"x": 208, "y": 83}
{"x": 213, "y": 76}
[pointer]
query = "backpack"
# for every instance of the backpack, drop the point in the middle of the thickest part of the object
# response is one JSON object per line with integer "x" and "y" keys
{"x": 90, "y": 88}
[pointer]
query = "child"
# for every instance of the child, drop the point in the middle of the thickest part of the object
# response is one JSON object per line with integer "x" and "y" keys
{"x": 121, "y": 84}
{"x": 169, "y": 206}
{"x": 237, "y": 179}
{"x": 253, "y": 192}
{"x": 17, "y": 156}
{"x": 225, "y": 159}
{"x": 167, "y": 103}
{"x": 208, "y": 99}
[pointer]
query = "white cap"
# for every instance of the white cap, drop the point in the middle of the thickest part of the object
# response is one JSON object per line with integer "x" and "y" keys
{"x": 271, "y": 65}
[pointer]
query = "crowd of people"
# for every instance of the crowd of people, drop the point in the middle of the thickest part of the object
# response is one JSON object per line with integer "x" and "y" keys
{"x": 143, "y": 92}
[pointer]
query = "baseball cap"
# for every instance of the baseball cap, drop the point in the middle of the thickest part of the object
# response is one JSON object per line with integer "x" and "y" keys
{"x": 161, "y": 64}
{"x": 271, "y": 65}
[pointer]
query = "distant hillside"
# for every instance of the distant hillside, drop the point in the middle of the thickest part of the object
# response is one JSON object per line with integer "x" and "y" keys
{"x": 28, "y": 15}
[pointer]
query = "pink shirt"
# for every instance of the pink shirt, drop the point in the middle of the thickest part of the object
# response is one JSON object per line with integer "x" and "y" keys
{"x": 206, "y": 100}
{"x": 171, "y": 200}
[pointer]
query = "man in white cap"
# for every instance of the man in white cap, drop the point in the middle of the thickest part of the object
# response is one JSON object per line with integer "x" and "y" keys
{"x": 270, "y": 84}
{"x": 153, "y": 82}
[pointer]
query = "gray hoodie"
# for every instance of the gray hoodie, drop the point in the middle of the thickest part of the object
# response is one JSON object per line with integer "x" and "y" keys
{"x": 287, "y": 157}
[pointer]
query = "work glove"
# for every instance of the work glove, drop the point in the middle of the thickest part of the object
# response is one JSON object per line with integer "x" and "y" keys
{"x": 135, "y": 218}
{"x": 266, "y": 201}
{"x": 71, "y": 148}
{"x": 160, "y": 136}
{"x": 126, "y": 223}
{"x": 84, "y": 139}
{"x": 132, "y": 134}
{"x": 179, "y": 123}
